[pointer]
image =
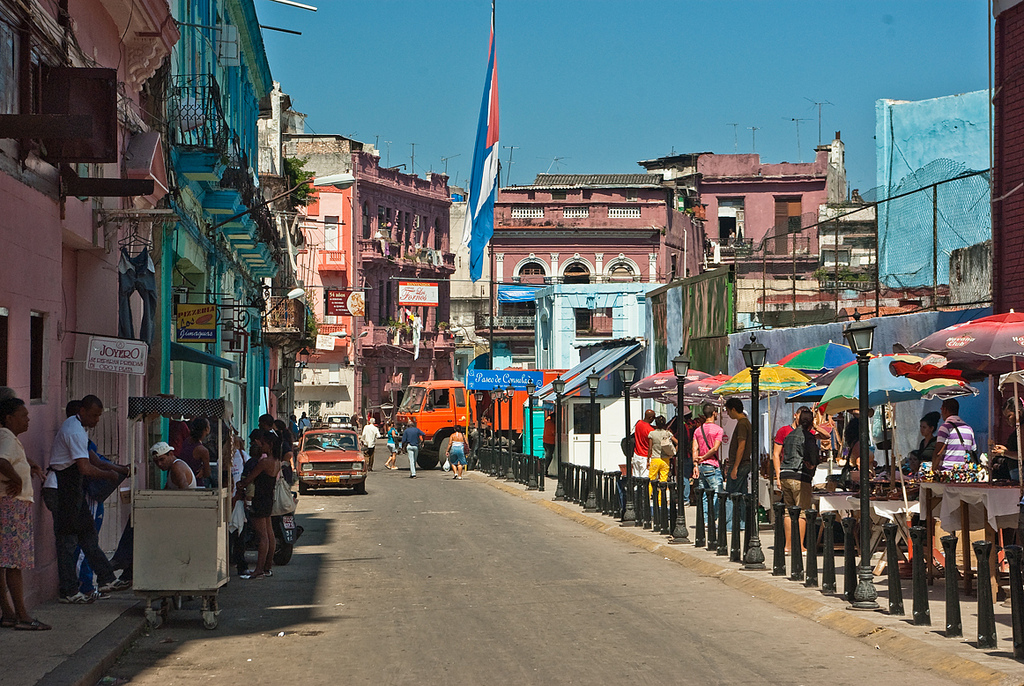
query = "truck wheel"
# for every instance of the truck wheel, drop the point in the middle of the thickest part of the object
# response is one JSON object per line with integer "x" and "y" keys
{"x": 426, "y": 460}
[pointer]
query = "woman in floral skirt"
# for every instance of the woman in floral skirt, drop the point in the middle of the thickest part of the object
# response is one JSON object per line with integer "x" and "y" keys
{"x": 16, "y": 497}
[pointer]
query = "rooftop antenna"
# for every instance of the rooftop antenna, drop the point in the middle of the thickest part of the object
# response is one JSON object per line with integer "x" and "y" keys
{"x": 555, "y": 163}
{"x": 412, "y": 162}
{"x": 735, "y": 137}
{"x": 445, "y": 160}
{"x": 387, "y": 160}
{"x": 796, "y": 120}
{"x": 819, "y": 106}
{"x": 753, "y": 137}
{"x": 508, "y": 172}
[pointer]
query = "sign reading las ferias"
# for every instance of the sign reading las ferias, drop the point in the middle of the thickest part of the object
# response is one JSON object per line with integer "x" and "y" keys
{"x": 116, "y": 355}
{"x": 417, "y": 294}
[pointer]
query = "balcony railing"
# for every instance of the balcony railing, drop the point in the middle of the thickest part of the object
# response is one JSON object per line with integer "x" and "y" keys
{"x": 195, "y": 115}
{"x": 285, "y": 314}
{"x": 483, "y": 321}
{"x": 331, "y": 261}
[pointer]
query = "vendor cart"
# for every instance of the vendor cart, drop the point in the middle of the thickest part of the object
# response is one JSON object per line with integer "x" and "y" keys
{"x": 181, "y": 537}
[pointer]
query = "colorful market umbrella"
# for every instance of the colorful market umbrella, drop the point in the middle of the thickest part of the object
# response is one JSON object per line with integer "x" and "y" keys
{"x": 656, "y": 385}
{"x": 694, "y": 392}
{"x": 989, "y": 345}
{"x": 818, "y": 359}
{"x": 774, "y": 379}
{"x": 843, "y": 394}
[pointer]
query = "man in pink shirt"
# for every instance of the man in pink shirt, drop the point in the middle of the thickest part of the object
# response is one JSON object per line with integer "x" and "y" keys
{"x": 707, "y": 443}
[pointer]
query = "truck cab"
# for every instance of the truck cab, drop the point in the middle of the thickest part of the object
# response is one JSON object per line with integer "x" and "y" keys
{"x": 438, "y": 407}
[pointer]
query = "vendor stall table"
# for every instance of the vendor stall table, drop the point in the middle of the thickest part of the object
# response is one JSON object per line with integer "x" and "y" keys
{"x": 881, "y": 510}
{"x": 966, "y": 508}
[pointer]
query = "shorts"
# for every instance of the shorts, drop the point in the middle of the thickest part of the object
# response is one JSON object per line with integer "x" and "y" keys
{"x": 393, "y": 448}
{"x": 457, "y": 457}
{"x": 17, "y": 549}
{"x": 796, "y": 492}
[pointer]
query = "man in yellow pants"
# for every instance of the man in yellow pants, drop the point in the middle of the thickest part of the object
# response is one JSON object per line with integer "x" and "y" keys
{"x": 663, "y": 447}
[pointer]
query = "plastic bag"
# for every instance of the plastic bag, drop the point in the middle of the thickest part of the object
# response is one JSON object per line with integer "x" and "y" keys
{"x": 237, "y": 522}
{"x": 447, "y": 465}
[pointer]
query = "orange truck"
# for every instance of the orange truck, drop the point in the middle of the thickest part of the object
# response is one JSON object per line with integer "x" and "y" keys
{"x": 440, "y": 406}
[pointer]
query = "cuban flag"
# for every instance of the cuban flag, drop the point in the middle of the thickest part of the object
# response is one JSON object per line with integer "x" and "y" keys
{"x": 483, "y": 184}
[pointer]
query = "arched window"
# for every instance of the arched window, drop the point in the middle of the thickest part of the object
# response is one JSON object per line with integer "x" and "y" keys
{"x": 531, "y": 272}
{"x": 620, "y": 271}
{"x": 577, "y": 272}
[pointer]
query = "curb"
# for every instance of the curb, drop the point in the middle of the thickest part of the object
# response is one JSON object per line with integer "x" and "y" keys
{"x": 87, "y": 665}
{"x": 894, "y": 643}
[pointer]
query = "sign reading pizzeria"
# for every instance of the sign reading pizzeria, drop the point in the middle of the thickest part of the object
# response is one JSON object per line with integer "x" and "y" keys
{"x": 344, "y": 303}
{"x": 196, "y": 323}
{"x": 417, "y": 294}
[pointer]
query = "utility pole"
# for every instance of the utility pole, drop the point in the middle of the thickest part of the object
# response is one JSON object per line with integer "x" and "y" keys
{"x": 735, "y": 137}
{"x": 412, "y": 166}
{"x": 753, "y": 137}
{"x": 511, "y": 149}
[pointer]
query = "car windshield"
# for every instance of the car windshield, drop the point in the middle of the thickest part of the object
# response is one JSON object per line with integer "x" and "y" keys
{"x": 326, "y": 440}
{"x": 412, "y": 400}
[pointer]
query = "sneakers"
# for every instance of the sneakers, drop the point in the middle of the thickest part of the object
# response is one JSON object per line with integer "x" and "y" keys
{"x": 97, "y": 595}
{"x": 77, "y": 599}
{"x": 412, "y": 476}
{"x": 115, "y": 585}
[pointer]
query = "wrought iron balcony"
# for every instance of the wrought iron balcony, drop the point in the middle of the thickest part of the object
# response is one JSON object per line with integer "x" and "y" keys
{"x": 483, "y": 321}
{"x": 195, "y": 116}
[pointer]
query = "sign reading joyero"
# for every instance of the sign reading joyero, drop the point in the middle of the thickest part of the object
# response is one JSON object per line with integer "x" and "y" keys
{"x": 116, "y": 355}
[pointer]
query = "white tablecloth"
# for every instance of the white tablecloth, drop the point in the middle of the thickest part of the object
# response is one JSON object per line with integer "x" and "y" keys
{"x": 886, "y": 509}
{"x": 1000, "y": 503}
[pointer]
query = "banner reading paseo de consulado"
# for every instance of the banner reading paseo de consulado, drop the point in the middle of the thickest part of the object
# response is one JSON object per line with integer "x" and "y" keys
{"x": 487, "y": 379}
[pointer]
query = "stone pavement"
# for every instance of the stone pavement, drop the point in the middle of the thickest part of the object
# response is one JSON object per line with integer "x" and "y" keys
{"x": 957, "y": 658}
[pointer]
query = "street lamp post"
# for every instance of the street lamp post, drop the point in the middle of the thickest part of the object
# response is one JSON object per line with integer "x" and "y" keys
{"x": 510, "y": 475}
{"x": 681, "y": 367}
{"x": 531, "y": 468}
{"x": 860, "y": 337}
{"x": 479, "y": 396}
{"x": 754, "y": 356}
{"x": 626, "y": 374}
{"x": 592, "y": 382}
{"x": 558, "y": 385}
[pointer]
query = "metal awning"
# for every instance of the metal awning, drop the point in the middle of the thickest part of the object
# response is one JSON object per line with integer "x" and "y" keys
{"x": 602, "y": 363}
{"x": 187, "y": 354}
{"x": 517, "y": 293}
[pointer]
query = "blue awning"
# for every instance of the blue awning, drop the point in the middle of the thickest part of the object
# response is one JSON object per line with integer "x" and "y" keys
{"x": 187, "y": 354}
{"x": 517, "y": 293}
{"x": 602, "y": 363}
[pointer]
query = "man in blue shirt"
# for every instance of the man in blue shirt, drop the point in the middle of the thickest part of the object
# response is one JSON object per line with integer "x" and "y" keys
{"x": 411, "y": 438}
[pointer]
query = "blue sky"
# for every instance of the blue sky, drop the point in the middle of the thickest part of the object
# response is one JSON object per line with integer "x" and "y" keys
{"x": 602, "y": 84}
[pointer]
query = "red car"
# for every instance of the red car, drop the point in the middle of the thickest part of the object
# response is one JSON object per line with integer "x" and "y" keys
{"x": 330, "y": 458}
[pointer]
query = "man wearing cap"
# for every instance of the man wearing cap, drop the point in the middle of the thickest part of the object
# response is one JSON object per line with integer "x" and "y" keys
{"x": 180, "y": 476}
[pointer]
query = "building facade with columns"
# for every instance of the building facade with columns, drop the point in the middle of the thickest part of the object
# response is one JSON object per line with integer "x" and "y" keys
{"x": 580, "y": 229}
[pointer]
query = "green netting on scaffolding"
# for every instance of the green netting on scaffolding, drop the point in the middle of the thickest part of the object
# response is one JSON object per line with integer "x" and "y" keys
{"x": 906, "y": 225}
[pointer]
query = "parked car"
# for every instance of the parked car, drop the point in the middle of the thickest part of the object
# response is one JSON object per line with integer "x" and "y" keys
{"x": 339, "y": 421}
{"x": 330, "y": 458}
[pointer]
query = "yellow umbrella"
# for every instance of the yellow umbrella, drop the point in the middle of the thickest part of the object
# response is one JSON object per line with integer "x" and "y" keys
{"x": 774, "y": 379}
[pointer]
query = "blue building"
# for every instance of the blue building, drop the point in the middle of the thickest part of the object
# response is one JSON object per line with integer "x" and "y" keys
{"x": 222, "y": 246}
{"x": 918, "y": 144}
{"x": 570, "y": 316}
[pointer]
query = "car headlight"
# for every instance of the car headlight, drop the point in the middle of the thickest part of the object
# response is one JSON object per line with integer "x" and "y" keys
{"x": 307, "y": 467}
{"x": 357, "y": 466}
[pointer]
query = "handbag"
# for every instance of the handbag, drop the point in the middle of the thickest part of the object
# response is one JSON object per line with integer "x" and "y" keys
{"x": 284, "y": 501}
{"x": 667, "y": 449}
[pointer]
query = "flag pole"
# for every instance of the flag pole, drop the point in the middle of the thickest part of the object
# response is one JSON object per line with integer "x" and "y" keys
{"x": 490, "y": 332}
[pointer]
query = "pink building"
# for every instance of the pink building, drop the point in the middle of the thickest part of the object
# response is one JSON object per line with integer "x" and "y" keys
{"x": 584, "y": 228}
{"x": 62, "y": 242}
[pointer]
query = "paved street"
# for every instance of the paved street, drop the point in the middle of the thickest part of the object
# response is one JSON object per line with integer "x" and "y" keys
{"x": 436, "y": 581}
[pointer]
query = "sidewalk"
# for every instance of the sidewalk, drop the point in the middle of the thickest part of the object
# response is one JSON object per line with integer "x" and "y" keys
{"x": 956, "y": 658}
{"x": 84, "y": 641}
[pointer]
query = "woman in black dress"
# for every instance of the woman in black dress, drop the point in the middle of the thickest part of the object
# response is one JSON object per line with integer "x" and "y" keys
{"x": 264, "y": 479}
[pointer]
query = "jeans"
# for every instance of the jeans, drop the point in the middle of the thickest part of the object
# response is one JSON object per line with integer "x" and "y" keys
{"x": 125, "y": 553}
{"x": 84, "y": 568}
{"x": 710, "y": 478}
{"x": 136, "y": 274}
{"x": 737, "y": 485}
{"x": 411, "y": 451}
{"x": 73, "y": 527}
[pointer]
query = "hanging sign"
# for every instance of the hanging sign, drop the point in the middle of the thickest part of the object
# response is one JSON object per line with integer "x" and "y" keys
{"x": 116, "y": 355}
{"x": 417, "y": 294}
{"x": 324, "y": 342}
{"x": 344, "y": 303}
{"x": 196, "y": 323}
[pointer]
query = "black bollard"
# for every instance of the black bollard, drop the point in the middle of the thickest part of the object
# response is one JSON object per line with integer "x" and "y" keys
{"x": 560, "y": 485}
{"x": 849, "y": 559}
{"x": 986, "y": 612}
{"x": 712, "y": 526}
{"x": 796, "y": 548}
{"x": 735, "y": 548}
{"x": 811, "y": 568}
{"x": 919, "y": 580}
{"x": 611, "y": 501}
{"x": 723, "y": 522}
{"x": 779, "y": 552}
{"x": 1013, "y": 557}
{"x": 645, "y": 487}
{"x": 893, "y": 569}
{"x": 699, "y": 539}
{"x": 666, "y": 511}
{"x": 542, "y": 466}
{"x": 533, "y": 469}
{"x": 750, "y": 516}
{"x": 828, "y": 554}
{"x": 600, "y": 496}
{"x": 954, "y": 625}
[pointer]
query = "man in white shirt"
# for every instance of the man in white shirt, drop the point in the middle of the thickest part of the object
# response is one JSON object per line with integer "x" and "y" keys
{"x": 73, "y": 524}
{"x": 370, "y": 435}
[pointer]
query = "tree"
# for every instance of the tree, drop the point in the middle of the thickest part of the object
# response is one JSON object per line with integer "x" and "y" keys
{"x": 296, "y": 174}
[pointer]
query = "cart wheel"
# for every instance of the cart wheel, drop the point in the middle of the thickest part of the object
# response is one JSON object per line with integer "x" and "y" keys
{"x": 210, "y": 619}
{"x": 153, "y": 618}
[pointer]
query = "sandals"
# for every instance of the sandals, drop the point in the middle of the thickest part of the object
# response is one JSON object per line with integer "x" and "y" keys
{"x": 251, "y": 575}
{"x": 32, "y": 625}
{"x": 6, "y": 623}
